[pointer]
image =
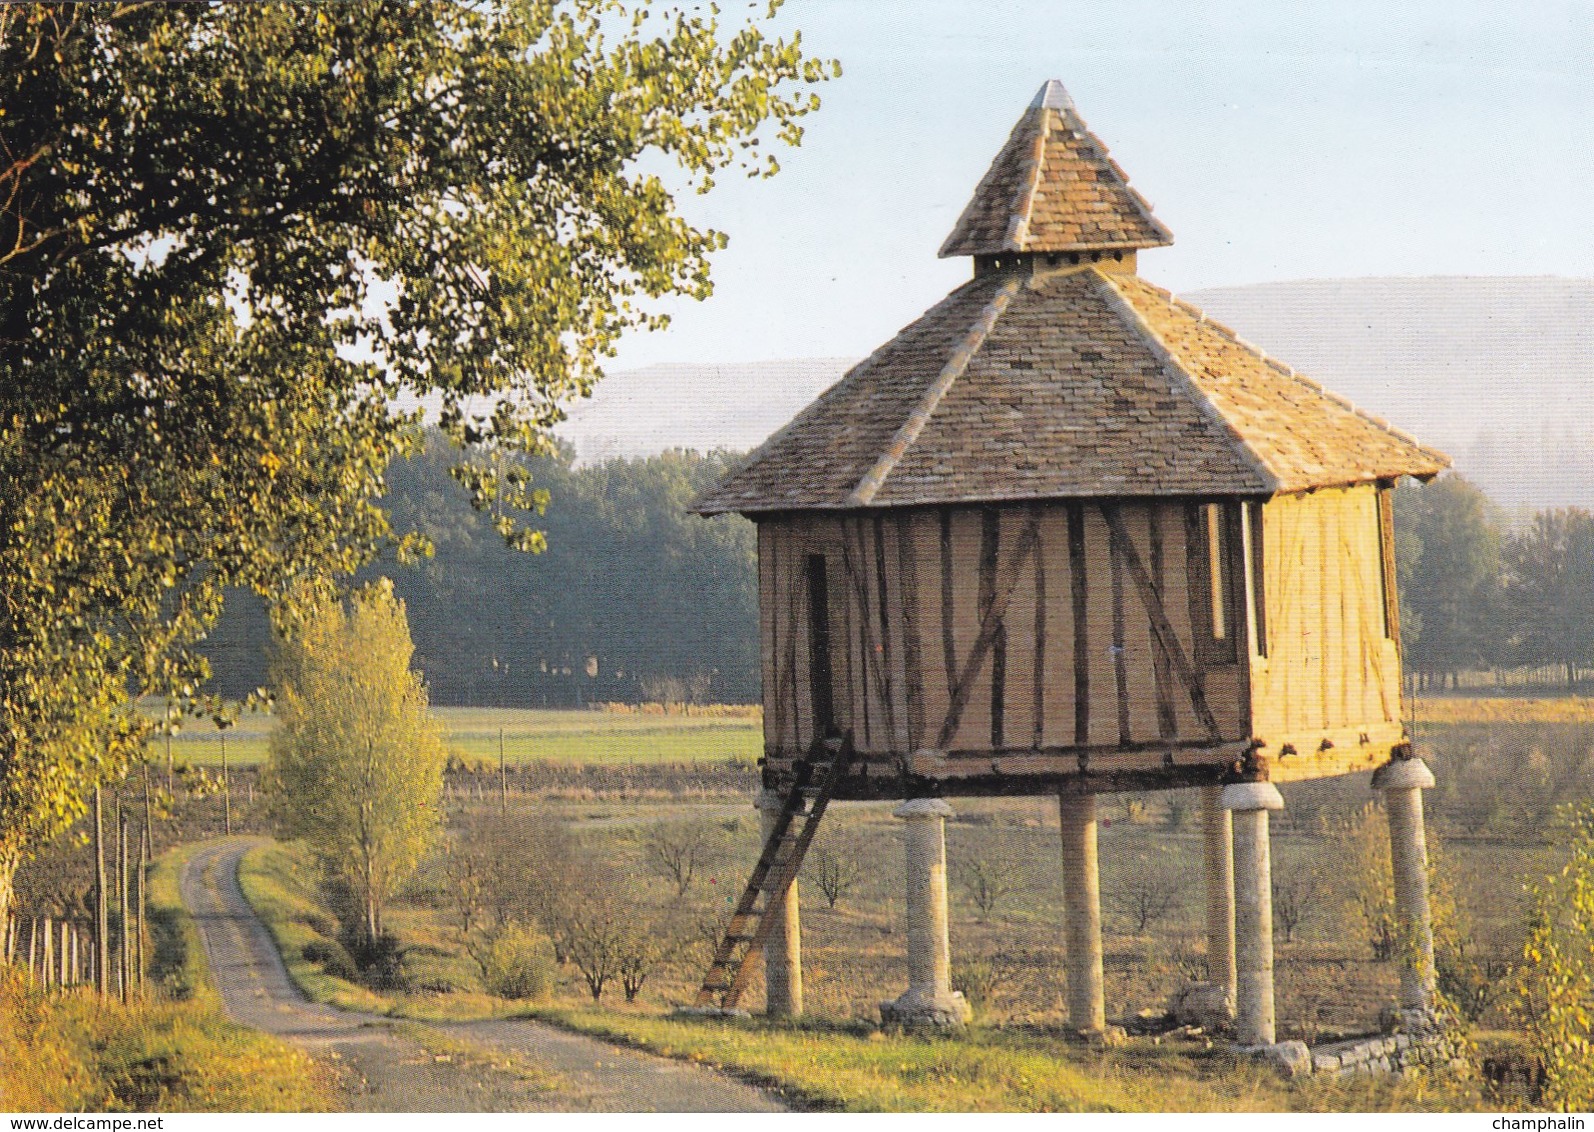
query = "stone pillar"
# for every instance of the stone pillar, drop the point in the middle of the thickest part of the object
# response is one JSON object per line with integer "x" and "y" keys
{"x": 1249, "y": 803}
{"x": 1217, "y": 834}
{"x": 1403, "y": 782}
{"x": 783, "y": 950}
{"x": 1087, "y": 1008}
{"x": 929, "y": 999}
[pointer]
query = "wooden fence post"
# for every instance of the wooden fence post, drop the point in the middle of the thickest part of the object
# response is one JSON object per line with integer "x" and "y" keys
{"x": 102, "y": 952}
{"x": 143, "y": 867}
{"x": 124, "y": 982}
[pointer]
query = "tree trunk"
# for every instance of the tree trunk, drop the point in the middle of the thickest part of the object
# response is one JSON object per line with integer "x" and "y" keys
{"x": 10, "y": 858}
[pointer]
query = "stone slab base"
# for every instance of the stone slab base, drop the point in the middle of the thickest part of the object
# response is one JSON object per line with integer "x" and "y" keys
{"x": 1206, "y": 1005}
{"x": 915, "y": 1009}
{"x": 1291, "y": 1059}
{"x": 1385, "y": 1053}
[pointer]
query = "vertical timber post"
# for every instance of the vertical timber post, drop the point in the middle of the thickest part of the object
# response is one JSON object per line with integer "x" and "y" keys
{"x": 1249, "y": 804}
{"x": 503, "y": 778}
{"x": 1087, "y": 1005}
{"x": 226, "y": 787}
{"x": 929, "y": 999}
{"x": 783, "y": 950}
{"x": 1217, "y": 836}
{"x": 102, "y": 942}
{"x": 1402, "y": 782}
{"x": 124, "y": 941}
{"x": 143, "y": 901}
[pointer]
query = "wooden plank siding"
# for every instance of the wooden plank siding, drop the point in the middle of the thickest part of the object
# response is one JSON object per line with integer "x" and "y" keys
{"x": 922, "y": 600}
{"x": 962, "y": 637}
{"x": 1331, "y": 674}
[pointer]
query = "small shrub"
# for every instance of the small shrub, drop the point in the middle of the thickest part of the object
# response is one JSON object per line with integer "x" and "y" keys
{"x": 520, "y": 965}
{"x": 1557, "y": 980}
{"x": 333, "y": 959}
{"x": 978, "y": 979}
{"x": 380, "y": 963}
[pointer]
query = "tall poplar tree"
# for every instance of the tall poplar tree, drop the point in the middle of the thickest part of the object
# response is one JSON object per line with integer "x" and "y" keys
{"x": 356, "y": 766}
{"x": 236, "y": 239}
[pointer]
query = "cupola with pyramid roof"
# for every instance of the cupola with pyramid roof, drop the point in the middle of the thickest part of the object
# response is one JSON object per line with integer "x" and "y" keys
{"x": 1065, "y": 535}
{"x": 1054, "y": 189}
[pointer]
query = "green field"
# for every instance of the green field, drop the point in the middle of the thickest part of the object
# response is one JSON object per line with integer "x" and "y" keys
{"x": 528, "y": 735}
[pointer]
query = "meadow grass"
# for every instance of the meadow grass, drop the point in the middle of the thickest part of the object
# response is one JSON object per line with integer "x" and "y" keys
{"x": 1448, "y": 709}
{"x": 853, "y": 1066}
{"x": 564, "y": 736}
{"x": 72, "y": 1051}
{"x": 857, "y": 1068}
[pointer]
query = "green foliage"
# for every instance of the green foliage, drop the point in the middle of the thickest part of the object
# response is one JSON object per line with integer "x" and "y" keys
{"x": 520, "y": 965}
{"x": 649, "y": 596}
{"x": 1549, "y": 580}
{"x": 1366, "y": 872}
{"x": 1447, "y": 556}
{"x": 236, "y": 235}
{"x": 630, "y": 591}
{"x": 277, "y": 882}
{"x": 356, "y": 765}
{"x": 1557, "y": 985}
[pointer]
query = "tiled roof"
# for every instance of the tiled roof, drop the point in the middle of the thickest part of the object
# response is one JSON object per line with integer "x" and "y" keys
{"x": 1053, "y": 188}
{"x": 1085, "y": 384}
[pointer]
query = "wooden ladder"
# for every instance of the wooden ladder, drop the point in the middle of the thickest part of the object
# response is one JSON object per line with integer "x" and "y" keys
{"x": 812, "y": 787}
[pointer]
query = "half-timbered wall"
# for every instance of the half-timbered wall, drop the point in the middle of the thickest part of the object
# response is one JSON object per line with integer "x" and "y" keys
{"x": 1061, "y": 628}
{"x": 1332, "y": 669}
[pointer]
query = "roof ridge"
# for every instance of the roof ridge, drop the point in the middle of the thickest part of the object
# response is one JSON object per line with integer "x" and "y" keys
{"x": 1024, "y": 201}
{"x": 875, "y": 477}
{"x": 1289, "y": 371}
{"x": 704, "y": 503}
{"x": 1177, "y": 375}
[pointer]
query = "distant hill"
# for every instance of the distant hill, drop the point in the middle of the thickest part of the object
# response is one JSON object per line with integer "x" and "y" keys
{"x": 1498, "y": 372}
{"x": 642, "y": 412}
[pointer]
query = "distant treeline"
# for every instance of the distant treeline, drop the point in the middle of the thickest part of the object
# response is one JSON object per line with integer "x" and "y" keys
{"x": 634, "y": 599}
{"x": 1476, "y": 593}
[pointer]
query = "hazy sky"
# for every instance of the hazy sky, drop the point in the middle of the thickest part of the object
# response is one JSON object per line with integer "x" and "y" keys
{"x": 1276, "y": 140}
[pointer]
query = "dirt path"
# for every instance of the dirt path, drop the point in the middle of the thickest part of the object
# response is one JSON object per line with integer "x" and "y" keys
{"x": 498, "y": 1066}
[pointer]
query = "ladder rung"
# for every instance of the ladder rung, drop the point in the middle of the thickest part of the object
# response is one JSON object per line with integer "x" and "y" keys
{"x": 805, "y": 801}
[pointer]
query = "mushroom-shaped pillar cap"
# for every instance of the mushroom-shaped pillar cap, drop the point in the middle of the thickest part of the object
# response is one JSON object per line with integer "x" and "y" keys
{"x": 919, "y": 808}
{"x": 1247, "y": 796}
{"x": 1403, "y": 774}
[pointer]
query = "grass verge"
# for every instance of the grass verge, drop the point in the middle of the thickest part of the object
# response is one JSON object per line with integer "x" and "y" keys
{"x": 854, "y": 1067}
{"x": 279, "y": 883}
{"x": 73, "y": 1052}
{"x": 860, "y": 1069}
